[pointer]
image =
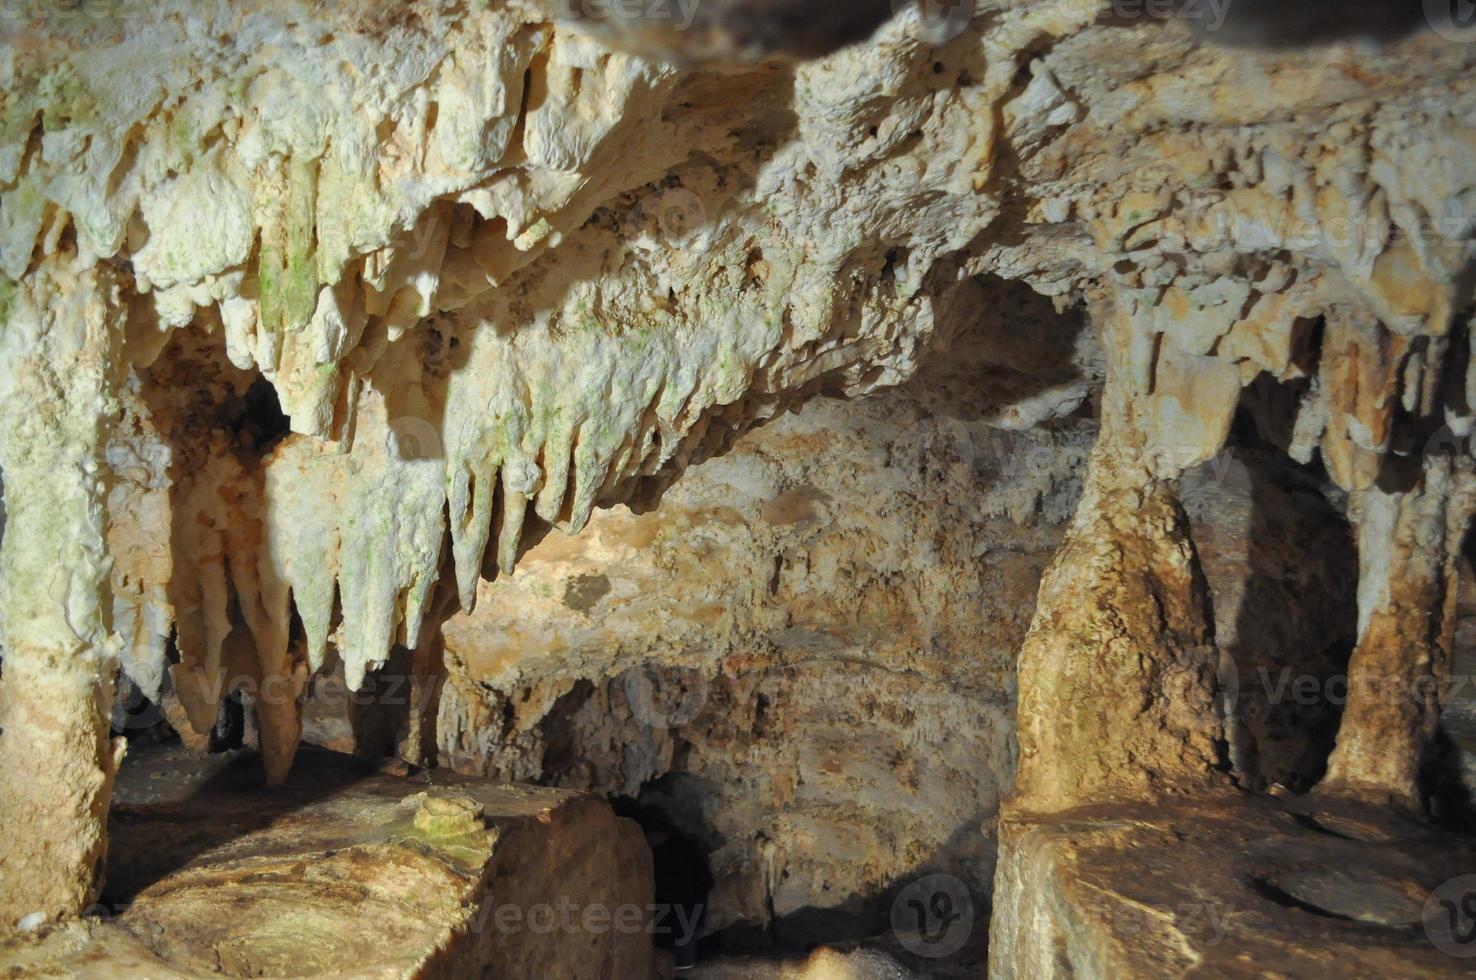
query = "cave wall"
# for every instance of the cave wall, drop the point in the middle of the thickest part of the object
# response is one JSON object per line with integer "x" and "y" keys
{"x": 804, "y": 654}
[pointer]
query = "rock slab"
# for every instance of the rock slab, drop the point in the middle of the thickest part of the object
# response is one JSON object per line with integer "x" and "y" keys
{"x": 352, "y": 872}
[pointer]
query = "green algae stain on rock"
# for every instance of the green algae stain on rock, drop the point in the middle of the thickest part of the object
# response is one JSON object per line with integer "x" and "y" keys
{"x": 300, "y": 284}
{"x": 287, "y": 269}
{"x": 450, "y": 825}
{"x": 7, "y": 299}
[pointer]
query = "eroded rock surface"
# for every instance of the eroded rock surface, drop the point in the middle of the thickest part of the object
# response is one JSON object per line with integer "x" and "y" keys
{"x": 1307, "y": 890}
{"x": 349, "y": 873}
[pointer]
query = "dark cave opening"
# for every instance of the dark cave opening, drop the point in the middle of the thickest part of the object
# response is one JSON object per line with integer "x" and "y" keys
{"x": 259, "y": 422}
{"x": 683, "y": 878}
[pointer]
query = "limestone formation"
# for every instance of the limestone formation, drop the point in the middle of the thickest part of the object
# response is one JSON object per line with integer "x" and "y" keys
{"x": 849, "y": 583}
{"x": 317, "y": 318}
{"x": 1299, "y": 891}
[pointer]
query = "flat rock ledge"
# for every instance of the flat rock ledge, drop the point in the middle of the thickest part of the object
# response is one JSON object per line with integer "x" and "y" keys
{"x": 1228, "y": 887}
{"x": 352, "y": 872}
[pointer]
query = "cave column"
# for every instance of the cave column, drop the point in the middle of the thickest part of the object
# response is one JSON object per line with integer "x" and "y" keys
{"x": 59, "y": 365}
{"x": 1117, "y": 673}
{"x": 1407, "y": 546}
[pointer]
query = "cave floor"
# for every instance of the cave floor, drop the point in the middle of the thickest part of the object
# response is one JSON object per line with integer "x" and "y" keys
{"x": 356, "y": 870}
{"x": 1234, "y": 886}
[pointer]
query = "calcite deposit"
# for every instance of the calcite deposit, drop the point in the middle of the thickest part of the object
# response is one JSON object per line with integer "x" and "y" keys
{"x": 316, "y": 318}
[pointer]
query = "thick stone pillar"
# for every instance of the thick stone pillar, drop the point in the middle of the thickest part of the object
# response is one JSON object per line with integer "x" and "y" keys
{"x": 1117, "y": 674}
{"x": 59, "y": 360}
{"x": 1116, "y": 701}
{"x": 1408, "y": 542}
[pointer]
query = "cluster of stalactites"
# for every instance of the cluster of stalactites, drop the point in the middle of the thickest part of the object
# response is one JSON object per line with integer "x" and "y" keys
{"x": 491, "y": 280}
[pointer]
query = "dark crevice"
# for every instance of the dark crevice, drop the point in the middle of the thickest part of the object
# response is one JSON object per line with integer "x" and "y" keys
{"x": 229, "y": 732}
{"x": 683, "y": 872}
{"x": 258, "y": 420}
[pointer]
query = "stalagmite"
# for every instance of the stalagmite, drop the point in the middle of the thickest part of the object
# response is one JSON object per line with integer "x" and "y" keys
{"x": 1120, "y": 658}
{"x": 1408, "y": 542}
